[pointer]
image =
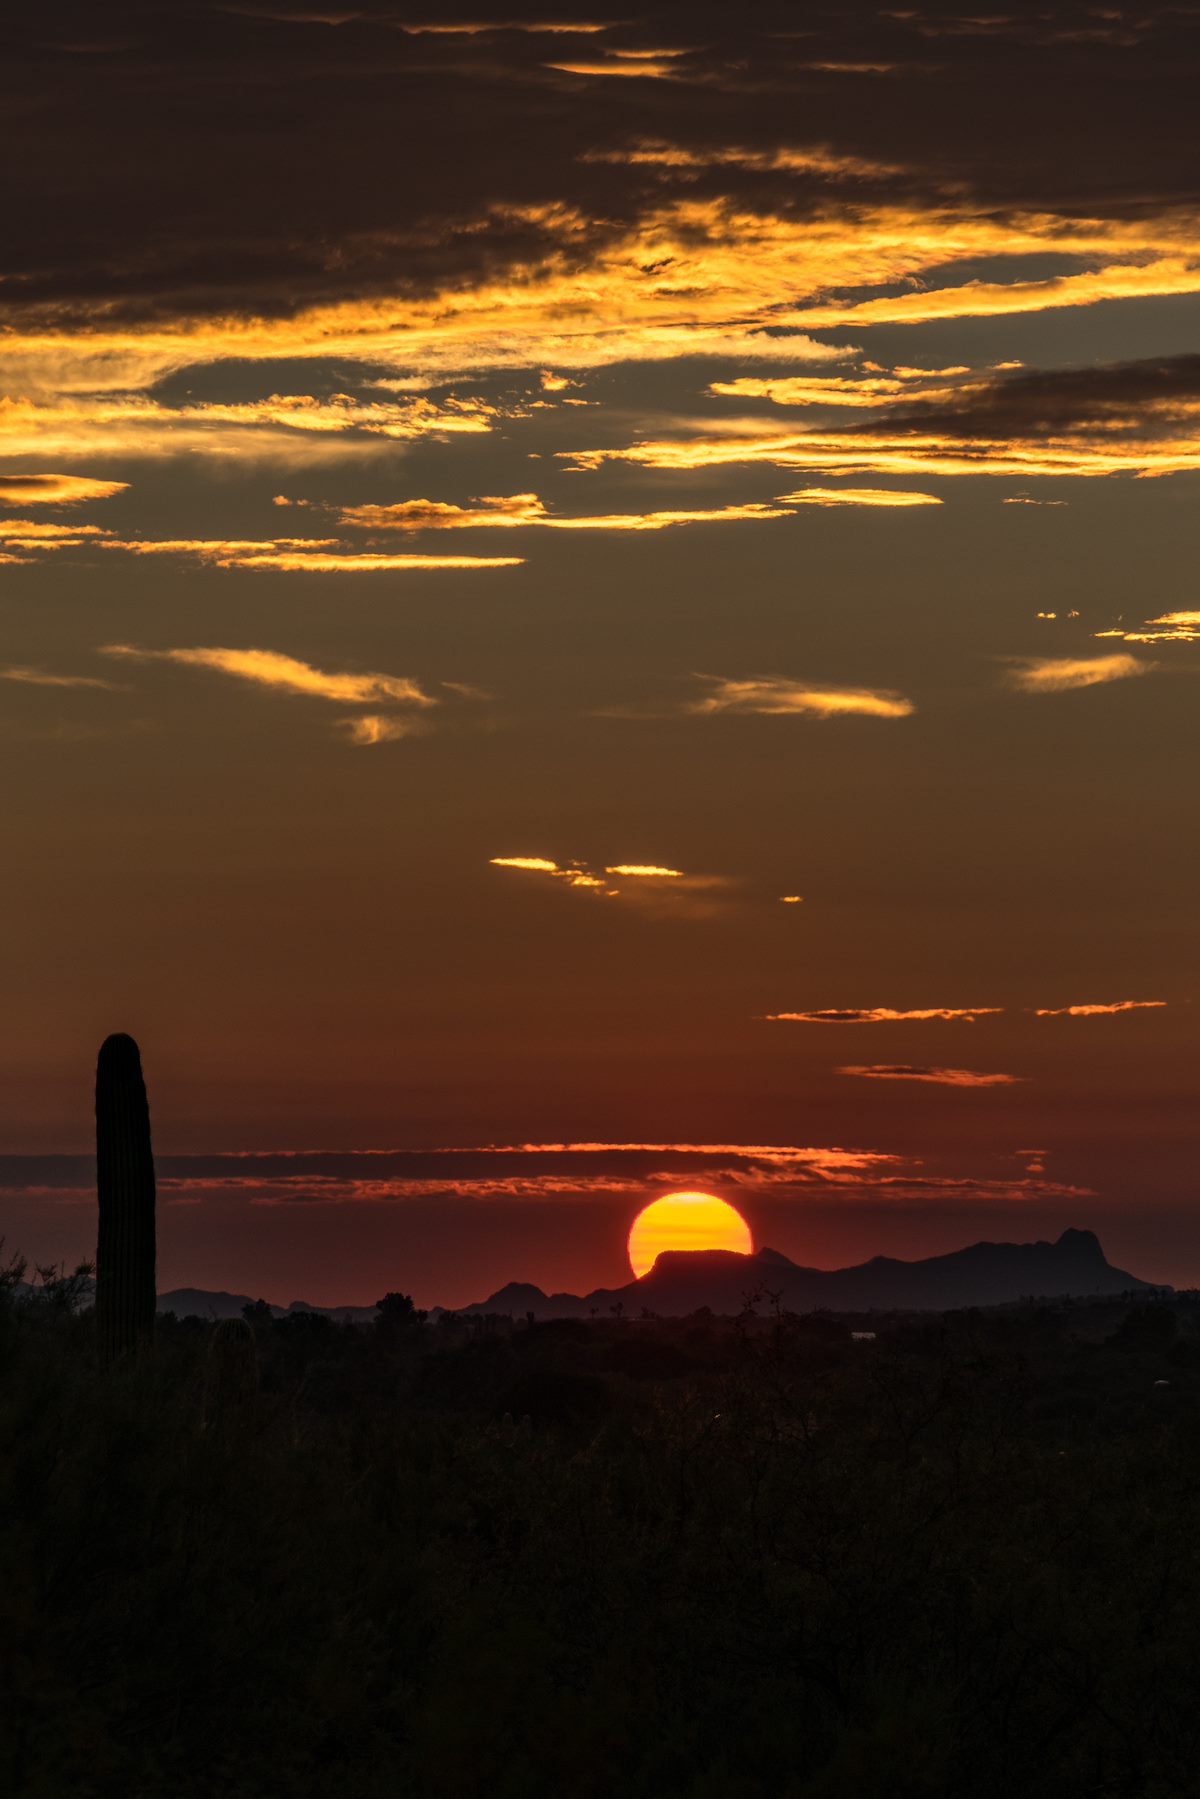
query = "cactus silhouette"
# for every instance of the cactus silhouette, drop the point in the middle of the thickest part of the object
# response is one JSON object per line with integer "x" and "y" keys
{"x": 125, "y": 1295}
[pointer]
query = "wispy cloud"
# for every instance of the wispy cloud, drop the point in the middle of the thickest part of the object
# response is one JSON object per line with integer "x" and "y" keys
{"x": 989, "y": 299}
{"x": 40, "y": 677}
{"x": 324, "y": 562}
{"x": 296, "y": 555}
{"x": 293, "y": 429}
{"x": 55, "y": 490}
{"x": 522, "y": 510}
{"x": 1060, "y": 674}
{"x": 938, "y": 1077}
{"x": 864, "y": 391}
{"x": 1168, "y": 627}
{"x": 36, "y": 534}
{"x": 534, "y": 1172}
{"x": 304, "y": 555}
{"x": 883, "y": 1015}
{"x": 817, "y": 159}
{"x": 645, "y": 871}
{"x": 650, "y": 886}
{"x": 858, "y": 496}
{"x": 378, "y": 727}
{"x": 575, "y": 874}
{"x": 1081, "y": 454}
{"x": 658, "y": 70}
{"x": 1100, "y": 1011}
{"x": 287, "y": 674}
{"x": 773, "y": 696}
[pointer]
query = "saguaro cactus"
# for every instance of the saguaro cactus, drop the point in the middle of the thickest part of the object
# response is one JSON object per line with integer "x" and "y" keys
{"x": 125, "y": 1296}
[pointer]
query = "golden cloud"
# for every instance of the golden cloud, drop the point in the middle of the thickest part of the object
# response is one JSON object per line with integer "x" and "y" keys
{"x": 655, "y": 888}
{"x": 524, "y": 509}
{"x": 774, "y": 697}
{"x": 884, "y": 1015}
{"x": 27, "y": 534}
{"x": 56, "y": 490}
{"x": 294, "y": 429}
{"x": 269, "y": 668}
{"x": 696, "y": 276}
{"x": 532, "y": 864}
{"x": 978, "y": 299}
{"x": 909, "y": 453}
{"x": 1060, "y": 674}
{"x": 659, "y": 71}
{"x": 940, "y": 1077}
{"x": 1101, "y": 1011}
{"x": 311, "y": 555}
{"x": 816, "y": 159}
{"x": 858, "y": 496}
{"x": 814, "y": 390}
{"x": 1169, "y": 627}
{"x": 645, "y": 870}
{"x": 323, "y": 562}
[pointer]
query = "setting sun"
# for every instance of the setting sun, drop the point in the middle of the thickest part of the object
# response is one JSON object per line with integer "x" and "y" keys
{"x": 686, "y": 1221}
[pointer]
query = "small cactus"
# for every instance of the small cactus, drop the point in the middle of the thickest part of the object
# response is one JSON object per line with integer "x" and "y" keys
{"x": 125, "y": 1292}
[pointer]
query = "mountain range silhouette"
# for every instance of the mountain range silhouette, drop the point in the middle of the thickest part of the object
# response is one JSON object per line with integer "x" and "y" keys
{"x": 684, "y": 1281}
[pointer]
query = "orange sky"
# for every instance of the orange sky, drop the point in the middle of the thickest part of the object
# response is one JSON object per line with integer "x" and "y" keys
{"x": 603, "y": 585}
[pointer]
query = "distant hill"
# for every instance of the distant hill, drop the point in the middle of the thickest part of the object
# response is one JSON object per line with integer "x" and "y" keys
{"x": 682, "y": 1281}
{"x": 195, "y": 1302}
{"x": 985, "y": 1274}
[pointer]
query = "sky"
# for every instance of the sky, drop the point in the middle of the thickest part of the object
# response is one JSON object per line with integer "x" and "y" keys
{"x": 595, "y": 602}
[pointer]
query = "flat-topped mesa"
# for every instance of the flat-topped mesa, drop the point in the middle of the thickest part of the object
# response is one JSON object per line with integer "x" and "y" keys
{"x": 984, "y": 1274}
{"x": 125, "y": 1249}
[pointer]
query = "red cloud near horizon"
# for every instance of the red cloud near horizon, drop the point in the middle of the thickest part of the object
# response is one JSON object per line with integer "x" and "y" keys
{"x": 941, "y": 1077}
{"x": 881, "y": 1015}
{"x": 1099, "y": 1011}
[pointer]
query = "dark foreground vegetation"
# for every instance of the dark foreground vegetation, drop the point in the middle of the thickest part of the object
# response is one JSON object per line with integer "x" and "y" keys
{"x": 699, "y": 1558}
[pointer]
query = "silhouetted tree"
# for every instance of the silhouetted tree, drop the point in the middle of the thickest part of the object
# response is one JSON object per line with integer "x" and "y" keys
{"x": 398, "y": 1316}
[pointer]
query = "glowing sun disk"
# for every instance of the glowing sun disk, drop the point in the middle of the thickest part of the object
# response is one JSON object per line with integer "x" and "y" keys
{"x": 686, "y": 1221}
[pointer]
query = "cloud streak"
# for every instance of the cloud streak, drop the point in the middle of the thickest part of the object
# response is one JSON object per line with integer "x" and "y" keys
{"x": 1062, "y": 674}
{"x": 299, "y": 555}
{"x": 523, "y": 510}
{"x": 536, "y": 1173}
{"x": 286, "y": 674}
{"x": 40, "y": 677}
{"x": 56, "y": 490}
{"x": 1168, "y": 627}
{"x": 891, "y": 497}
{"x": 1101, "y": 1011}
{"x": 651, "y": 887}
{"x": 776, "y": 697}
{"x": 885, "y": 1015}
{"x": 938, "y": 1077}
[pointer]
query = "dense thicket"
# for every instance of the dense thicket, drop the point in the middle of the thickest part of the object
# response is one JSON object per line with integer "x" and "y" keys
{"x": 699, "y": 1558}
